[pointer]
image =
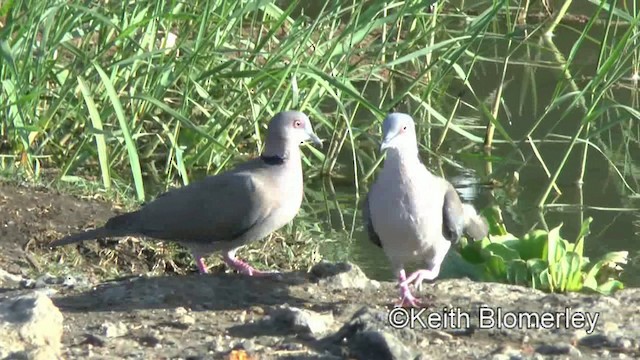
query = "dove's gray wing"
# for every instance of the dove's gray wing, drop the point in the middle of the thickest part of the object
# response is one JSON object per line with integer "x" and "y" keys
{"x": 452, "y": 215}
{"x": 366, "y": 217}
{"x": 219, "y": 208}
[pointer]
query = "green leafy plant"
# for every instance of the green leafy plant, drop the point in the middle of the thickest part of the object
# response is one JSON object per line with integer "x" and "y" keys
{"x": 544, "y": 260}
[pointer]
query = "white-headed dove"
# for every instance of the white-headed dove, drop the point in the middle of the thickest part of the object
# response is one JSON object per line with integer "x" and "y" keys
{"x": 228, "y": 210}
{"x": 411, "y": 213}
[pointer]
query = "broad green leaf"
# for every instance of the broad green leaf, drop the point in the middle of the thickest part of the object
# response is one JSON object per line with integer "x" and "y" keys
{"x": 517, "y": 272}
{"x": 532, "y": 245}
{"x": 546, "y": 282}
{"x": 536, "y": 268}
{"x": 502, "y": 251}
{"x": 584, "y": 231}
{"x": 496, "y": 268}
{"x": 574, "y": 274}
{"x": 555, "y": 247}
{"x": 590, "y": 283}
{"x": 610, "y": 287}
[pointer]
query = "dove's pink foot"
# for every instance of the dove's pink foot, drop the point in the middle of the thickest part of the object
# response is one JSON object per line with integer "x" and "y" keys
{"x": 406, "y": 297}
{"x": 201, "y": 265}
{"x": 242, "y": 267}
{"x": 418, "y": 277}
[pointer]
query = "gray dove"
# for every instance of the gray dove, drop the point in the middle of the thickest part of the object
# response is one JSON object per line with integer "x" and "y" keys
{"x": 228, "y": 210}
{"x": 413, "y": 214}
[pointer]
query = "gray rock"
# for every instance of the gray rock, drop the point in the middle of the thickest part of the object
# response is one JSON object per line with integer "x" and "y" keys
{"x": 32, "y": 325}
{"x": 248, "y": 345}
{"x": 558, "y": 349}
{"x": 597, "y": 341}
{"x": 372, "y": 345}
{"x": 342, "y": 275}
{"x": 368, "y": 336}
{"x": 301, "y": 321}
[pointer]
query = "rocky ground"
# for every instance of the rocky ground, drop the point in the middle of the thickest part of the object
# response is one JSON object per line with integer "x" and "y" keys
{"x": 332, "y": 312}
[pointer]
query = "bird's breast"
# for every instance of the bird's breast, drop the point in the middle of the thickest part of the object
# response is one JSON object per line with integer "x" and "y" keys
{"x": 288, "y": 194}
{"x": 405, "y": 210}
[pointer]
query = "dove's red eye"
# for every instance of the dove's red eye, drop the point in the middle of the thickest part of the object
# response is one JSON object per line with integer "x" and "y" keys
{"x": 297, "y": 123}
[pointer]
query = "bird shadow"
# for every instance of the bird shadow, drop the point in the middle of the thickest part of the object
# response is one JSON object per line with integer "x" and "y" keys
{"x": 196, "y": 291}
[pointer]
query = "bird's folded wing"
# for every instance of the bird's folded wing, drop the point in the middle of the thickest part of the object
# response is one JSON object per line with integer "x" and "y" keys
{"x": 219, "y": 208}
{"x": 452, "y": 215}
{"x": 366, "y": 217}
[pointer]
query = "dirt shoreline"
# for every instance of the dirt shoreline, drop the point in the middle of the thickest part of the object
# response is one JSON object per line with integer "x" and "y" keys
{"x": 332, "y": 312}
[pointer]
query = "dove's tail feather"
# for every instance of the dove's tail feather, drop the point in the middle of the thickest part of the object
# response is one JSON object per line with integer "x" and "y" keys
{"x": 127, "y": 222}
{"x": 82, "y": 236}
{"x": 117, "y": 226}
{"x": 474, "y": 225}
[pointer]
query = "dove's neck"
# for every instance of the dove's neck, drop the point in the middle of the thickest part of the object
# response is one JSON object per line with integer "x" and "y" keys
{"x": 406, "y": 156}
{"x": 284, "y": 162}
{"x": 280, "y": 151}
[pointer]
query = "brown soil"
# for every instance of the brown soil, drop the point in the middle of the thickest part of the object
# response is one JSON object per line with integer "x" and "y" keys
{"x": 31, "y": 217}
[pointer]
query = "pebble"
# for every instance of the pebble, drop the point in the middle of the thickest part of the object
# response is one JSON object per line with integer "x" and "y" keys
{"x": 111, "y": 330}
{"x": 609, "y": 327}
{"x": 6, "y": 276}
{"x": 149, "y": 340}
{"x": 181, "y": 311}
{"x": 623, "y": 343}
{"x": 240, "y": 318}
{"x": 69, "y": 281}
{"x": 441, "y": 335}
{"x": 95, "y": 340}
{"x": 248, "y": 345}
{"x": 257, "y": 310}
{"x": 188, "y": 320}
{"x": 290, "y": 347}
{"x": 507, "y": 353}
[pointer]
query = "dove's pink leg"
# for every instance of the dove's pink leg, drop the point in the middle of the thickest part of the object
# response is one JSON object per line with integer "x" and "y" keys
{"x": 406, "y": 298}
{"x": 242, "y": 267}
{"x": 418, "y": 277}
{"x": 201, "y": 265}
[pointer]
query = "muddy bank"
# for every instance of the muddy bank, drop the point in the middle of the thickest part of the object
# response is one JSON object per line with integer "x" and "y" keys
{"x": 332, "y": 312}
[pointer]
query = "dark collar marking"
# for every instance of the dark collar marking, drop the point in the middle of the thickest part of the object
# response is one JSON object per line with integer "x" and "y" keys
{"x": 272, "y": 160}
